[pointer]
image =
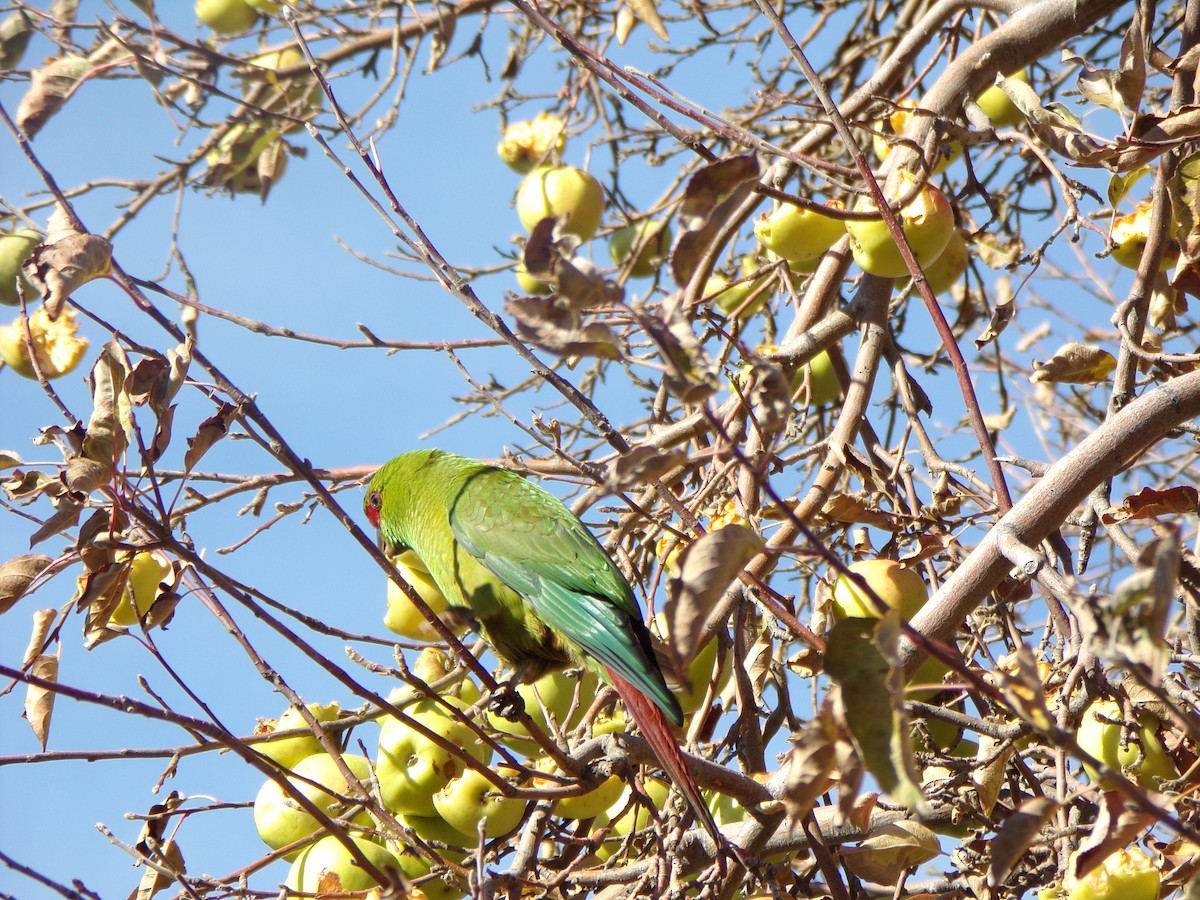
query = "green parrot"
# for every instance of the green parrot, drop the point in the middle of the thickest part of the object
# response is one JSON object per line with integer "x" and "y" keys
{"x": 537, "y": 585}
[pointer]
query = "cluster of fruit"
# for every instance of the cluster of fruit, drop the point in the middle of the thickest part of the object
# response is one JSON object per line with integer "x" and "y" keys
{"x": 57, "y": 346}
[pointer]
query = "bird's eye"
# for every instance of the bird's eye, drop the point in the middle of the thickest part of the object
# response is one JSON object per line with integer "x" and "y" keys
{"x": 375, "y": 500}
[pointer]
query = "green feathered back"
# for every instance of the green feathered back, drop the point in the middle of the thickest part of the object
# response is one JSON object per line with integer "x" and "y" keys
{"x": 543, "y": 592}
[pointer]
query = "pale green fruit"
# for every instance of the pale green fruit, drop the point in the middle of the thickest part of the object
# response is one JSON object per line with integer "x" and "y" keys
{"x": 289, "y": 751}
{"x": 554, "y": 694}
{"x": 584, "y": 806}
{"x": 411, "y": 768}
{"x": 469, "y": 799}
{"x": 1130, "y": 233}
{"x": 637, "y": 817}
{"x": 265, "y": 6}
{"x": 146, "y": 573}
{"x": 1125, "y": 875}
{"x": 280, "y": 821}
{"x": 15, "y": 248}
{"x": 798, "y": 234}
{"x": 226, "y": 16}
{"x": 530, "y": 284}
{"x": 927, "y": 221}
{"x": 1100, "y": 735}
{"x": 417, "y": 869}
{"x": 822, "y": 383}
{"x": 654, "y": 239}
{"x": 436, "y": 830}
{"x": 402, "y": 616}
{"x": 948, "y": 269}
{"x": 948, "y": 151}
{"x": 703, "y": 666}
{"x": 998, "y": 106}
{"x": 899, "y": 587}
{"x": 315, "y": 869}
{"x": 563, "y": 191}
{"x": 731, "y": 299}
{"x": 533, "y": 142}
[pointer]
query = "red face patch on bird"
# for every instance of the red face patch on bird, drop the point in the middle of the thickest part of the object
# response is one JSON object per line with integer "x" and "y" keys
{"x": 372, "y": 506}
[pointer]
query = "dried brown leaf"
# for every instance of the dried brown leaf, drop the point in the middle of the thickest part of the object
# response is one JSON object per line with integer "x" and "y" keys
{"x": 168, "y": 856}
{"x": 111, "y": 424}
{"x": 39, "y": 701}
{"x": 891, "y": 850}
{"x": 1075, "y": 363}
{"x": 210, "y": 431}
{"x": 642, "y": 465}
{"x": 64, "y": 517}
{"x": 49, "y": 87}
{"x": 861, "y": 658}
{"x": 710, "y": 197}
{"x": 552, "y": 326}
{"x": 707, "y": 567}
{"x": 17, "y": 575}
{"x": 1117, "y": 826}
{"x": 1016, "y": 835}
{"x": 43, "y": 621}
{"x": 647, "y": 11}
{"x": 1149, "y": 503}
{"x": 15, "y": 31}
{"x": 810, "y": 763}
{"x": 67, "y": 264}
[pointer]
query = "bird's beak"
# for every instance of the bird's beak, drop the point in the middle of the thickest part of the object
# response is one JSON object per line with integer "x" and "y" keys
{"x": 386, "y": 547}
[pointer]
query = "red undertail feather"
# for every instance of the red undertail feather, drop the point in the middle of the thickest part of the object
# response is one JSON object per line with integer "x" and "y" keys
{"x": 653, "y": 725}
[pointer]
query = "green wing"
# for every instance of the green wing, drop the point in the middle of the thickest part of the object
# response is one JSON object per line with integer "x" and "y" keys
{"x": 536, "y": 546}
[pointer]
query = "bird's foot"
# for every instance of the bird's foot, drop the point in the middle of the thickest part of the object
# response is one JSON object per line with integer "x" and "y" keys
{"x": 506, "y": 702}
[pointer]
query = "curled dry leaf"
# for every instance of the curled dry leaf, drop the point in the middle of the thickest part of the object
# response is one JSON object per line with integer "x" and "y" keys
{"x": 15, "y": 32}
{"x": 555, "y": 328}
{"x": 641, "y": 465}
{"x": 1148, "y": 503}
{"x": 111, "y": 424}
{"x": 891, "y": 850}
{"x": 647, "y": 11}
{"x": 49, "y": 87}
{"x": 39, "y": 700}
{"x": 17, "y": 575}
{"x": 861, "y": 658}
{"x": 1117, "y": 826}
{"x": 810, "y": 763}
{"x": 210, "y": 431}
{"x": 710, "y": 197}
{"x": 1017, "y": 835}
{"x": 167, "y": 856}
{"x": 707, "y": 567}
{"x": 1075, "y": 363}
{"x": 691, "y": 374}
{"x": 582, "y": 285}
{"x": 65, "y": 265}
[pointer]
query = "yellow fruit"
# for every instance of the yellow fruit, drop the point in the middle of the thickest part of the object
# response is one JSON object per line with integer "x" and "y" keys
{"x": 531, "y": 285}
{"x": 146, "y": 573}
{"x": 998, "y": 106}
{"x": 553, "y": 694}
{"x": 56, "y": 345}
{"x": 799, "y": 235}
{"x": 402, "y": 616}
{"x": 1130, "y": 233}
{"x": 1100, "y": 734}
{"x": 947, "y": 152}
{"x": 320, "y": 865}
{"x": 289, "y": 751}
{"x": 584, "y": 806}
{"x": 927, "y": 221}
{"x": 466, "y": 801}
{"x": 900, "y": 588}
{"x": 948, "y": 269}
{"x": 226, "y": 16}
{"x": 1125, "y": 875}
{"x": 818, "y": 382}
{"x": 533, "y": 142}
{"x": 731, "y": 299}
{"x": 15, "y": 248}
{"x": 280, "y": 821}
{"x": 564, "y": 191}
{"x": 653, "y": 240}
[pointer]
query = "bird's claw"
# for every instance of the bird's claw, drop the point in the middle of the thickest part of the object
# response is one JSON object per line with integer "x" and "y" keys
{"x": 506, "y": 703}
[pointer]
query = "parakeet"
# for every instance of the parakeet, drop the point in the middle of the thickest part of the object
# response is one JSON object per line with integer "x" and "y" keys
{"x": 539, "y": 588}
